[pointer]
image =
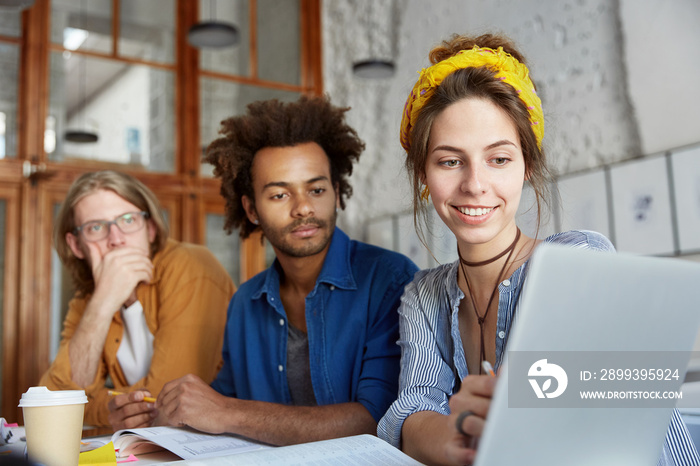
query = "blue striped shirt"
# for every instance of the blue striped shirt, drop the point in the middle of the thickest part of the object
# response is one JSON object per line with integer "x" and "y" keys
{"x": 432, "y": 355}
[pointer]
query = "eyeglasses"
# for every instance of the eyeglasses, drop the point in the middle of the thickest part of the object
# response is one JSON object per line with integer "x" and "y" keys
{"x": 130, "y": 222}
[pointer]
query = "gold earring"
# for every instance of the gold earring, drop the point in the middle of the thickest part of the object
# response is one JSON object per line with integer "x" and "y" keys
{"x": 425, "y": 194}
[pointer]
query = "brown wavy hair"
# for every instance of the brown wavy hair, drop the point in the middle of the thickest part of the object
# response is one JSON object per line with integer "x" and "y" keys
{"x": 272, "y": 123}
{"x": 127, "y": 187}
{"x": 479, "y": 83}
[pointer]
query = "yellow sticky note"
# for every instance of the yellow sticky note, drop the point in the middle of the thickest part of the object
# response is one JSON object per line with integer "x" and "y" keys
{"x": 101, "y": 456}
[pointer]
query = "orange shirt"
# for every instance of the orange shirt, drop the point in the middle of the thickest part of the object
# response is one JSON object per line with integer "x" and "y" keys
{"x": 185, "y": 309}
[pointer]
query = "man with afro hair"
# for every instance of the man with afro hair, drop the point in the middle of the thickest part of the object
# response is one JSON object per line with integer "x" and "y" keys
{"x": 310, "y": 343}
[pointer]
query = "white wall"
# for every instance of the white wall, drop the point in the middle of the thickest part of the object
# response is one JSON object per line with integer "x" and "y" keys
{"x": 597, "y": 97}
{"x": 662, "y": 42}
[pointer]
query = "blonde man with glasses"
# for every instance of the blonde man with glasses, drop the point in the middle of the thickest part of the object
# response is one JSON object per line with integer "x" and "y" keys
{"x": 147, "y": 309}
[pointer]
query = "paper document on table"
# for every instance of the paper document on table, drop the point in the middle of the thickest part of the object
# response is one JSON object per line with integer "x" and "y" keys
{"x": 355, "y": 450}
{"x": 185, "y": 443}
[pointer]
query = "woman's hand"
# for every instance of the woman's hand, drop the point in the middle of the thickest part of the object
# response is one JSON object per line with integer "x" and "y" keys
{"x": 434, "y": 438}
{"x": 469, "y": 408}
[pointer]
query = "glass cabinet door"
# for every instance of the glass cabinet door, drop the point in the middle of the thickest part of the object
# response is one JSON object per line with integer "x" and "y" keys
{"x": 121, "y": 95}
{"x": 225, "y": 247}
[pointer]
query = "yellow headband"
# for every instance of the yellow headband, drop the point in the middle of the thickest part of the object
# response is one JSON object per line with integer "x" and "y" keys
{"x": 507, "y": 69}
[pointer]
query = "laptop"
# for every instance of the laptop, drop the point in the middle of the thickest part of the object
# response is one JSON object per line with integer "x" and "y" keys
{"x": 598, "y": 323}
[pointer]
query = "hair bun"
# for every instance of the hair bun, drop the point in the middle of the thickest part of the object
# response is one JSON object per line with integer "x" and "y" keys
{"x": 457, "y": 43}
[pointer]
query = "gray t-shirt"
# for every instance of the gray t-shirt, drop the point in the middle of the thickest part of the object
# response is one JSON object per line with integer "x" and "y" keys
{"x": 298, "y": 368}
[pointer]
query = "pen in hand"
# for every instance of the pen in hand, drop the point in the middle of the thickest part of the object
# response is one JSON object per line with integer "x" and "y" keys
{"x": 488, "y": 368}
{"x": 147, "y": 399}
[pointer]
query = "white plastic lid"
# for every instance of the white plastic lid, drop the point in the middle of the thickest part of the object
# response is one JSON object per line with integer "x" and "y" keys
{"x": 42, "y": 396}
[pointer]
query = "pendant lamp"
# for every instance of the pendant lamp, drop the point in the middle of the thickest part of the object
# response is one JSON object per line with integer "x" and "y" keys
{"x": 376, "y": 66}
{"x": 81, "y": 136}
{"x": 212, "y": 33}
{"x": 373, "y": 69}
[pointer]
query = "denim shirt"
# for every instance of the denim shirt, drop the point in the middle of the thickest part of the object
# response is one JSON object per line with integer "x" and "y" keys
{"x": 433, "y": 361}
{"x": 352, "y": 325}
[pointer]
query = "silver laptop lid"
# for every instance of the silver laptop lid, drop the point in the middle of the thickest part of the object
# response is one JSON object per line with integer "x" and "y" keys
{"x": 609, "y": 322}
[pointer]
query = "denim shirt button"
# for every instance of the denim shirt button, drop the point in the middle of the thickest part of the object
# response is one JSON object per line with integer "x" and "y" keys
{"x": 332, "y": 287}
{"x": 506, "y": 282}
{"x": 280, "y": 368}
{"x": 272, "y": 298}
{"x": 281, "y": 322}
{"x": 501, "y": 334}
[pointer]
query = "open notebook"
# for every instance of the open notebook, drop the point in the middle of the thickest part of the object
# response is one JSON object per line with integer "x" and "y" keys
{"x": 602, "y": 319}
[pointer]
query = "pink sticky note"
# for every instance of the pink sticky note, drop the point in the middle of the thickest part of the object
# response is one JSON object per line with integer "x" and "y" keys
{"x": 129, "y": 459}
{"x": 14, "y": 424}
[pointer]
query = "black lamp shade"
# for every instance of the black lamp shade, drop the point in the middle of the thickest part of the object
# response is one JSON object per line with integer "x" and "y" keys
{"x": 373, "y": 69}
{"x": 212, "y": 34}
{"x": 80, "y": 136}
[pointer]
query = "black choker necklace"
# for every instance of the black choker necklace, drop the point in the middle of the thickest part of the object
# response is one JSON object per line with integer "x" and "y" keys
{"x": 482, "y": 319}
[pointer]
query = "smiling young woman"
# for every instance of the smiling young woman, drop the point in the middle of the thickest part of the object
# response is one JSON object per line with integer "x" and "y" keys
{"x": 472, "y": 129}
{"x": 475, "y": 172}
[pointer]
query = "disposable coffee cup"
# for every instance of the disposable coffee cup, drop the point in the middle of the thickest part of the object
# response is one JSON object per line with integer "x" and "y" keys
{"x": 53, "y": 423}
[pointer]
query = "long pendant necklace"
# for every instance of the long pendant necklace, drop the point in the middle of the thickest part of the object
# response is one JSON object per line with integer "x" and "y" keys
{"x": 482, "y": 319}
